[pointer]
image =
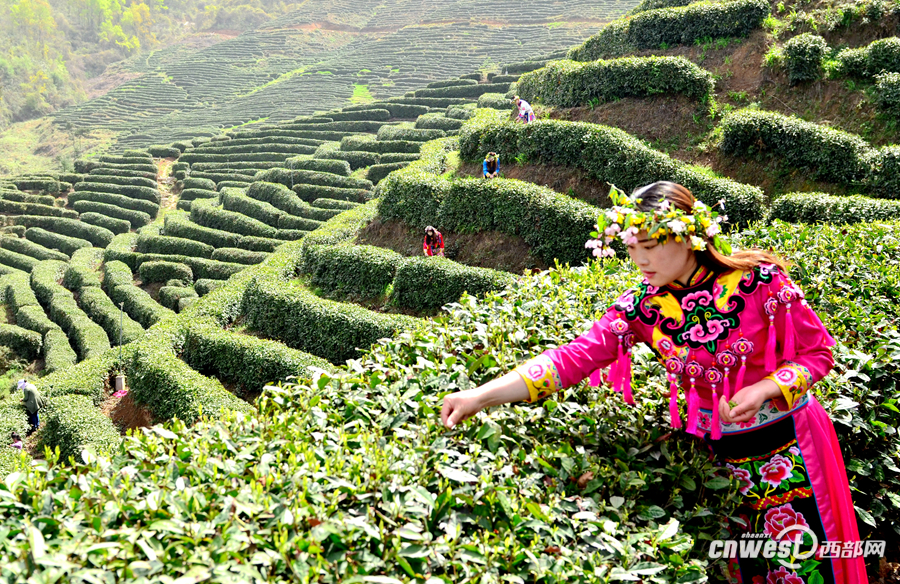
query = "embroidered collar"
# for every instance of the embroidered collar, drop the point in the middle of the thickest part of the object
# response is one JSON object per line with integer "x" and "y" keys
{"x": 701, "y": 275}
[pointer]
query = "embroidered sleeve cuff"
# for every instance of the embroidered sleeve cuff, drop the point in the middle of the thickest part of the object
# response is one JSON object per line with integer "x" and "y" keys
{"x": 541, "y": 377}
{"x": 793, "y": 379}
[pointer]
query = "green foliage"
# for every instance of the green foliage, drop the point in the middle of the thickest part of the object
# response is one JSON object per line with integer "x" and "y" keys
{"x": 368, "y": 144}
{"x": 606, "y": 154}
{"x": 25, "y": 343}
{"x": 137, "y": 213}
{"x": 657, "y": 4}
{"x": 165, "y": 151}
{"x": 881, "y": 56}
{"x": 30, "y": 249}
{"x": 162, "y": 244}
{"x": 494, "y": 100}
{"x": 378, "y": 172}
{"x": 673, "y": 26}
{"x": 243, "y": 359}
{"x": 240, "y": 256}
{"x": 58, "y": 353}
{"x": 14, "y": 207}
{"x": 119, "y": 284}
{"x": 409, "y": 134}
{"x": 571, "y": 84}
{"x": 463, "y": 90}
{"x": 63, "y": 243}
{"x": 310, "y": 193}
{"x": 117, "y": 226}
{"x": 205, "y": 212}
{"x": 803, "y": 56}
{"x": 170, "y": 296}
{"x": 82, "y": 269}
{"x": 72, "y": 424}
{"x": 97, "y": 305}
{"x": 126, "y": 179}
{"x": 199, "y": 183}
{"x": 162, "y": 271}
{"x": 131, "y": 191}
{"x": 204, "y": 286}
{"x": 362, "y": 271}
{"x": 356, "y": 159}
{"x": 885, "y": 174}
{"x": 98, "y": 236}
{"x": 344, "y": 227}
{"x": 887, "y": 93}
{"x": 825, "y": 208}
{"x": 289, "y": 178}
{"x": 195, "y": 193}
{"x": 338, "y": 167}
{"x": 428, "y": 283}
{"x": 451, "y": 83}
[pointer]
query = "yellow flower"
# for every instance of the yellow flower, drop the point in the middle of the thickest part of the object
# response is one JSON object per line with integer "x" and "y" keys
{"x": 691, "y": 228}
{"x": 704, "y": 222}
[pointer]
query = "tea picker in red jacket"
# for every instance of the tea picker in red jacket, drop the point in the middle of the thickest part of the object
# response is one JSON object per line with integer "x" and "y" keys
{"x": 434, "y": 242}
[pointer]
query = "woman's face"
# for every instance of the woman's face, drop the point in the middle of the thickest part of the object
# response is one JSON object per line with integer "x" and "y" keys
{"x": 665, "y": 263}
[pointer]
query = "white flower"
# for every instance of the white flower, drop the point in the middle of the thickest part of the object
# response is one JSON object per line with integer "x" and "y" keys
{"x": 712, "y": 230}
{"x": 722, "y": 204}
{"x": 664, "y": 205}
{"x": 677, "y": 226}
{"x": 612, "y": 215}
{"x": 697, "y": 243}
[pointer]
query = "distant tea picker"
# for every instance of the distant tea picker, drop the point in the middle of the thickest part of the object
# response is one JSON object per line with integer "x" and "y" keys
{"x": 434, "y": 242}
{"x": 740, "y": 343}
{"x": 526, "y": 113}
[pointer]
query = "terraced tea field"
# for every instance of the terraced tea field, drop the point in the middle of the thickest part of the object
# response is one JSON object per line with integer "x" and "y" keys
{"x": 316, "y": 58}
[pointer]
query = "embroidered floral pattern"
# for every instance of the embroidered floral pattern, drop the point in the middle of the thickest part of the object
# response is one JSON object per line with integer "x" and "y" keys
{"x": 777, "y": 519}
{"x": 793, "y": 379}
{"x": 777, "y": 470}
{"x": 540, "y": 376}
{"x": 744, "y": 476}
{"x": 726, "y": 359}
{"x": 782, "y": 576}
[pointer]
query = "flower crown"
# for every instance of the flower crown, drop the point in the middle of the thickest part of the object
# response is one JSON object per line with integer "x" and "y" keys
{"x": 624, "y": 221}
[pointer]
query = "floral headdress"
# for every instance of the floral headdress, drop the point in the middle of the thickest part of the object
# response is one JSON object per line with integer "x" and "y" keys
{"x": 624, "y": 220}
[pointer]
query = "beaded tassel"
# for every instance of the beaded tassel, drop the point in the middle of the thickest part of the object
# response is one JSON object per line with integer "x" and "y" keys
{"x": 673, "y": 403}
{"x": 739, "y": 382}
{"x": 716, "y": 430}
{"x": 626, "y": 379}
{"x": 694, "y": 370}
{"x": 770, "y": 346}
{"x": 620, "y": 368}
{"x": 727, "y": 390}
{"x": 742, "y": 347}
{"x": 789, "y": 343}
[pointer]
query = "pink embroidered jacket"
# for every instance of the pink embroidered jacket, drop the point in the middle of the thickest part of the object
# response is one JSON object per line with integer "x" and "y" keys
{"x": 716, "y": 335}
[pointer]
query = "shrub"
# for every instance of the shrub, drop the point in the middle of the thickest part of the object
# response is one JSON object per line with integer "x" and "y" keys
{"x": 438, "y": 121}
{"x": 291, "y": 234}
{"x": 26, "y": 198}
{"x": 331, "y": 330}
{"x": 17, "y": 260}
{"x": 132, "y": 192}
{"x": 359, "y": 270}
{"x": 828, "y": 153}
{"x": 369, "y": 114}
{"x": 169, "y": 296}
{"x": 243, "y": 359}
{"x": 570, "y": 83}
{"x": 497, "y": 101}
{"x": 343, "y": 227}
{"x": 881, "y": 56}
{"x": 163, "y": 271}
{"x": 451, "y": 83}
{"x": 201, "y": 267}
{"x": 193, "y": 194}
{"x": 338, "y": 167}
{"x": 239, "y": 256}
{"x": 199, "y": 183}
{"x": 72, "y": 424}
{"x": 118, "y": 206}
{"x": 58, "y": 352}
{"x": 138, "y": 304}
{"x": 121, "y": 249}
{"x": 346, "y": 126}
{"x": 460, "y": 112}
{"x": 606, "y": 154}
{"x": 803, "y": 56}
{"x": 367, "y": 144}
{"x": 312, "y": 192}
{"x": 162, "y": 244}
{"x": 178, "y": 225}
{"x": 164, "y": 151}
{"x": 291, "y": 223}
{"x": 117, "y": 226}
{"x": 238, "y": 202}
{"x": 279, "y": 197}
{"x": 135, "y": 219}
{"x": 65, "y": 244}
{"x": 82, "y": 270}
{"x": 116, "y": 273}
{"x": 377, "y": 172}
{"x": 392, "y": 157}
{"x": 13, "y": 207}
{"x": 430, "y": 102}
{"x": 884, "y": 178}
{"x": 205, "y": 213}
{"x": 463, "y": 90}
{"x": 17, "y": 230}
{"x": 116, "y": 179}
{"x": 98, "y": 236}
{"x": 428, "y": 283}
{"x": 35, "y": 319}
{"x": 31, "y": 249}
{"x": 887, "y": 93}
{"x": 102, "y": 174}
{"x": 204, "y": 286}
{"x": 45, "y": 185}
{"x": 97, "y": 305}
{"x": 409, "y": 134}
{"x": 251, "y": 243}
{"x": 824, "y": 208}
{"x": 25, "y": 343}
{"x": 334, "y": 204}
{"x": 16, "y": 293}
{"x": 290, "y": 178}
{"x": 356, "y": 159}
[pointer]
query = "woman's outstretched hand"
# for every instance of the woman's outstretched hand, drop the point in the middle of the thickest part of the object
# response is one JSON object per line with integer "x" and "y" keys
{"x": 749, "y": 400}
{"x": 460, "y": 406}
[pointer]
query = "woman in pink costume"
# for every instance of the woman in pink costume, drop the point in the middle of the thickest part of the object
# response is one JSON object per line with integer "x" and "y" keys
{"x": 742, "y": 345}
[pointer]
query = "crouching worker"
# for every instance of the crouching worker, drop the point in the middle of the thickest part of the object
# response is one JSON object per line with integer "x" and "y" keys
{"x": 33, "y": 403}
{"x": 490, "y": 168}
{"x": 434, "y": 242}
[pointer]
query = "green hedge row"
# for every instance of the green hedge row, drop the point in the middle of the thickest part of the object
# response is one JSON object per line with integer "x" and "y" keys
{"x": 825, "y": 208}
{"x": 164, "y": 151}
{"x": 331, "y": 330}
{"x": 223, "y": 176}
{"x": 31, "y": 249}
{"x": 25, "y": 343}
{"x": 310, "y": 193}
{"x": 241, "y": 158}
{"x": 378, "y": 172}
{"x": 201, "y": 267}
{"x": 73, "y": 424}
{"x": 178, "y": 225}
{"x": 428, "y": 283}
{"x": 524, "y": 66}
{"x": 803, "y": 57}
{"x": 88, "y": 378}
{"x": 451, "y": 83}
{"x": 280, "y": 139}
{"x": 356, "y": 159}
{"x": 460, "y": 112}
{"x": 16, "y": 260}
{"x": 193, "y": 193}
{"x": 248, "y": 150}
{"x": 290, "y": 212}
{"x": 357, "y": 270}
{"x": 171, "y": 296}
{"x": 100, "y": 174}
{"x": 139, "y": 305}
{"x": 829, "y": 154}
{"x": 248, "y": 361}
{"x": 606, "y": 154}
{"x": 239, "y": 256}
{"x": 48, "y": 239}
{"x": 20, "y": 197}
{"x": 88, "y": 338}
{"x": 47, "y": 185}
{"x": 163, "y": 244}
{"x": 409, "y": 134}
{"x": 368, "y": 114}
{"x": 496, "y": 101}
{"x": 238, "y": 166}
{"x": 204, "y": 286}
{"x": 132, "y": 192}
{"x": 430, "y": 102}
{"x": 334, "y": 204}
{"x": 881, "y": 56}
{"x": 121, "y": 201}
{"x": 887, "y": 93}
{"x": 438, "y": 121}
{"x": 205, "y": 212}
{"x": 97, "y": 305}
{"x": 16, "y": 208}
{"x": 87, "y": 166}
{"x": 338, "y": 167}
{"x": 397, "y": 110}
{"x": 367, "y": 144}
{"x": 82, "y": 269}
{"x": 674, "y": 26}
{"x": 342, "y": 228}
{"x": 117, "y": 179}
{"x": 16, "y": 292}
{"x": 572, "y": 83}
{"x": 347, "y": 126}
{"x": 198, "y": 183}
{"x": 163, "y": 271}
{"x": 117, "y": 226}
{"x": 58, "y": 352}
{"x": 35, "y": 319}
{"x": 463, "y": 90}
{"x": 291, "y": 178}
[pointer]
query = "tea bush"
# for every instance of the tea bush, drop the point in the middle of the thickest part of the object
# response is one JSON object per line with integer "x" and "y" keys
{"x": 428, "y": 283}
{"x": 571, "y": 83}
{"x": 65, "y": 244}
{"x": 163, "y": 244}
{"x": 30, "y": 249}
{"x": 98, "y": 236}
{"x": 364, "y": 271}
{"x": 97, "y": 305}
{"x": 122, "y": 201}
{"x": 887, "y": 93}
{"x": 881, "y": 56}
{"x": 803, "y": 56}
{"x": 170, "y": 296}
{"x": 606, "y": 154}
{"x": 72, "y": 423}
{"x": 161, "y": 271}
{"x": 205, "y": 212}
{"x": 25, "y": 343}
{"x": 825, "y": 208}
{"x": 117, "y": 226}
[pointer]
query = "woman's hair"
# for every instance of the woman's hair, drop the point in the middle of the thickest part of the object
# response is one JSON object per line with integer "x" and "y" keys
{"x": 15, "y": 436}
{"x": 682, "y": 198}
{"x": 429, "y": 234}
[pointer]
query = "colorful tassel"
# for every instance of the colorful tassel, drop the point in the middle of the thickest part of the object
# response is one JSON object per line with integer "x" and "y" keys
{"x": 626, "y": 379}
{"x": 789, "y": 342}
{"x": 727, "y": 391}
{"x": 693, "y": 406}
{"x": 742, "y": 347}
{"x": 716, "y": 430}
{"x": 739, "y": 382}
{"x": 673, "y": 403}
{"x": 770, "y": 346}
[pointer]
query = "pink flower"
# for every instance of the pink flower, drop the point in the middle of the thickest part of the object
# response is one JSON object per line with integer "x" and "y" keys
{"x": 704, "y": 421}
{"x": 703, "y": 298}
{"x": 778, "y": 469}
{"x": 677, "y": 226}
{"x": 748, "y": 424}
{"x": 629, "y": 236}
{"x": 782, "y": 576}
{"x": 712, "y": 230}
{"x": 711, "y": 332}
{"x": 744, "y": 476}
{"x": 794, "y": 450}
{"x": 780, "y": 518}
{"x": 612, "y": 229}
